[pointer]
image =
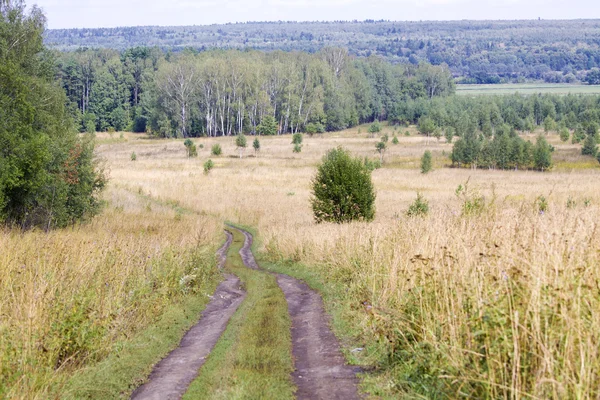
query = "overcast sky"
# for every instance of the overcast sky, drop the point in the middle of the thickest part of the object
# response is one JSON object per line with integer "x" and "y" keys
{"x": 111, "y": 13}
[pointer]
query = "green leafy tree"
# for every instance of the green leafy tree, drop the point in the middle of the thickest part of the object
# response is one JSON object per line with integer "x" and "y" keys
{"x": 342, "y": 189}
{"x": 268, "y": 126}
{"x": 542, "y": 154}
{"x": 256, "y": 145}
{"x": 426, "y": 162}
{"x": 549, "y": 124}
{"x": 191, "y": 149}
{"x": 590, "y": 148}
{"x": 449, "y": 134}
{"x": 241, "y": 143}
{"x": 48, "y": 177}
{"x": 374, "y": 128}
{"x": 564, "y": 134}
{"x": 297, "y": 138}
{"x": 381, "y": 147}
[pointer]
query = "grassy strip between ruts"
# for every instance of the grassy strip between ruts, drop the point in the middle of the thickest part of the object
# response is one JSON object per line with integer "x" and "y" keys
{"x": 252, "y": 359}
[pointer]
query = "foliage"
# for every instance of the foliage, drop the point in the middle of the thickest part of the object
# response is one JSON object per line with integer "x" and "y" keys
{"x": 426, "y": 162}
{"x": 590, "y": 148}
{"x": 191, "y": 149}
{"x": 542, "y": 204}
{"x": 297, "y": 148}
{"x": 419, "y": 207}
{"x": 297, "y": 138}
{"x": 256, "y": 145}
{"x": 475, "y": 51}
{"x": 371, "y": 165}
{"x": 473, "y": 202}
{"x": 268, "y": 126}
{"x": 542, "y": 154}
{"x": 342, "y": 189}
{"x": 48, "y": 176}
{"x": 381, "y": 147}
{"x": 133, "y": 156}
{"x": 240, "y": 141}
{"x": 313, "y": 128}
{"x": 374, "y": 128}
{"x": 216, "y": 149}
{"x": 426, "y": 126}
{"x": 395, "y": 139}
{"x": 564, "y": 134}
{"x": 208, "y": 166}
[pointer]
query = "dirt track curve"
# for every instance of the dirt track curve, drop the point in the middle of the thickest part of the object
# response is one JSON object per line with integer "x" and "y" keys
{"x": 320, "y": 368}
{"x": 172, "y": 376}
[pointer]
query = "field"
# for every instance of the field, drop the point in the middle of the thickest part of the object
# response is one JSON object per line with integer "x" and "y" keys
{"x": 494, "y": 294}
{"x": 526, "y": 88}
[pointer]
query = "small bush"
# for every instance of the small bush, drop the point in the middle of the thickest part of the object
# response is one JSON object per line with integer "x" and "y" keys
{"x": 374, "y": 128}
{"x": 256, "y": 145}
{"x": 372, "y": 165}
{"x": 385, "y": 138}
{"x": 542, "y": 204}
{"x": 342, "y": 189}
{"x": 188, "y": 142}
{"x": 133, "y": 156}
{"x": 297, "y": 148}
{"x": 419, "y": 207}
{"x": 395, "y": 140}
{"x": 473, "y": 203}
{"x": 200, "y": 146}
{"x": 297, "y": 138}
{"x": 406, "y": 133}
{"x": 216, "y": 150}
{"x": 564, "y": 134}
{"x": 426, "y": 162}
{"x": 208, "y": 165}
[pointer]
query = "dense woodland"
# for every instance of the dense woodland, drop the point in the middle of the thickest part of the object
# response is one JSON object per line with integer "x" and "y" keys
{"x": 475, "y": 51}
{"x": 229, "y": 92}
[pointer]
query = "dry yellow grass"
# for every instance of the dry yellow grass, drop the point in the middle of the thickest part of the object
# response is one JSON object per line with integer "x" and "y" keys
{"x": 504, "y": 304}
{"x": 67, "y": 296}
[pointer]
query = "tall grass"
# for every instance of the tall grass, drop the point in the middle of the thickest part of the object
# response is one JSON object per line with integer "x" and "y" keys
{"x": 68, "y": 296}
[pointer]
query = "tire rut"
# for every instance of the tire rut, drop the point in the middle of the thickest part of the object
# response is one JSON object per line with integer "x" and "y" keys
{"x": 172, "y": 376}
{"x": 321, "y": 371}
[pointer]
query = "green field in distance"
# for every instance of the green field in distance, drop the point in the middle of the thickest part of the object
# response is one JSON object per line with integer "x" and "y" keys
{"x": 526, "y": 88}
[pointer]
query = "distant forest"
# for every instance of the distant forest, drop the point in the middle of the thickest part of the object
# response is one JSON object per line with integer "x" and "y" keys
{"x": 475, "y": 51}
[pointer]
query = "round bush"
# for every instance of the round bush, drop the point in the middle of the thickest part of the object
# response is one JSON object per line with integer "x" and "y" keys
{"x": 342, "y": 189}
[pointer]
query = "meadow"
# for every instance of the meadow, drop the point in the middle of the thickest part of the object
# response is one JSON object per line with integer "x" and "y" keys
{"x": 497, "y": 300}
{"x": 526, "y": 88}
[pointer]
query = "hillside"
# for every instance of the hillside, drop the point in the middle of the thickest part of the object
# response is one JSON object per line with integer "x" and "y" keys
{"x": 478, "y": 51}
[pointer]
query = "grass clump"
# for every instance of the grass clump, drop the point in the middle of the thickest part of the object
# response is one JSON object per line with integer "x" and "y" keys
{"x": 342, "y": 189}
{"x": 216, "y": 150}
{"x": 208, "y": 166}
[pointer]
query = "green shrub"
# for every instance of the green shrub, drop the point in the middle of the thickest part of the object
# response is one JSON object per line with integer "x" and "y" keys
{"x": 216, "y": 150}
{"x": 371, "y": 165}
{"x": 385, "y": 138}
{"x": 201, "y": 146}
{"x": 191, "y": 148}
{"x": 268, "y": 126}
{"x": 564, "y": 134}
{"x": 297, "y": 148}
{"x": 473, "y": 203}
{"x": 406, "y": 133}
{"x": 342, "y": 189}
{"x": 542, "y": 204}
{"x": 133, "y": 156}
{"x": 419, "y": 207}
{"x": 590, "y": 148}
{"x": 188, "y": 142}
{"x": 297, "y": 138}
{"x": 395, "y": 140}
{"x": 374, "y": 128}
{"x": 241, "y": 143}
{"x": 208, "y": 165}
{"x": 256, "y": 145}
{"x": 426, "y": 162}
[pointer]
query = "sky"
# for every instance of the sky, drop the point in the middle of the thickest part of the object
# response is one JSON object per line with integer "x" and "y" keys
{"x": 113, "y": 13}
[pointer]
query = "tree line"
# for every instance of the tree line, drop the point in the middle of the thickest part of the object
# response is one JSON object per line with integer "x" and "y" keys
{"x": 219, "y": 92}
{"x": 487, "y": 127}
{"x": 475, "y": 51}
